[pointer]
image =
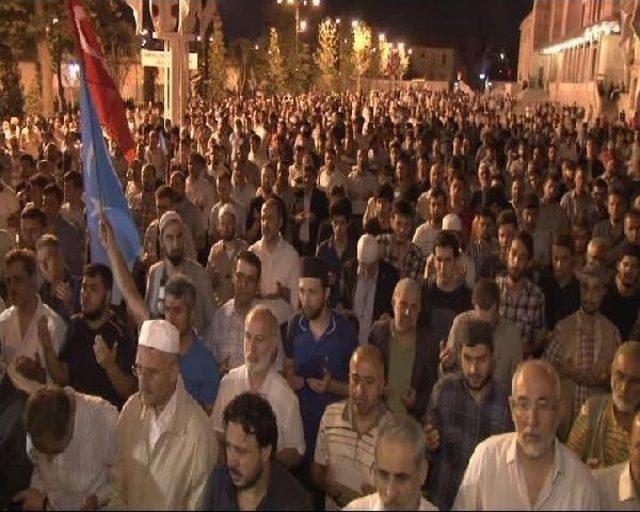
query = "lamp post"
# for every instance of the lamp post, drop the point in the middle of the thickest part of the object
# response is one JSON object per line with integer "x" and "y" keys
{"x": 300, "y": 26}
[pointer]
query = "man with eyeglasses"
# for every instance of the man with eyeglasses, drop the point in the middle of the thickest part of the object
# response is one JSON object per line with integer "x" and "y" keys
{"x": 166, "y": 448}
{"x": 529, "y": 469}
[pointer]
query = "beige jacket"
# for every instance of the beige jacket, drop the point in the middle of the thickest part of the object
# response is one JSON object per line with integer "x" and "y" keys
{"x": 172, "y": 476}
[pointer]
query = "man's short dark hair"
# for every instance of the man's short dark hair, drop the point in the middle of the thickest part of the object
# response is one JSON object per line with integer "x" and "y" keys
{"x": 403, "y": 208}
{"x": 479, "y": 333}
{"x": 40, "y": 180}
{"x": 447, "y": 239}
{"x": 102, "y": 271}
{"x": 197, "y": 158}
{"x": 48, "y": 413}
{"x": 531, "y": 201}
{"x": 485, "y": 294}
{"x": 271, "y": 203}
{"x": 506, "y": 218}
{"x": 166, "y": 192}
{"x": 24, "y": 256}
{"x": 33, "y": 213}
{"x": 252, "y": 259}
{"x": 256, "y": 417}
{"x": 437, "y": 193}
{"x": 564, "y": 240}
{"x": 180, "y": 286}
{"x": 631, "y": 250}
{"x": 340, "y": 208}
{"x": 527, "y": 240}
{"x": 52, "y": 189}
{"x": 385, "y": 192}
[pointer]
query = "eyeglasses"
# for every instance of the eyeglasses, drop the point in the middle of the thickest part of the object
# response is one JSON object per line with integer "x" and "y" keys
{"x": 138, "y": 371}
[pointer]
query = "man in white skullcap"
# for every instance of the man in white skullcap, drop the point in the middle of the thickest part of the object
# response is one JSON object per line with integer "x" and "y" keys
{"x": 368, "y": 284}
{"x": 166, "y": 447}
{"x": 222, "y": 258}
{"x": 172, "y": 232}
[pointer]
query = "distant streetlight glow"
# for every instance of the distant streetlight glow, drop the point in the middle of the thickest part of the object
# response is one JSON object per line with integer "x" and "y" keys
{"x": 315, "y": 3}
{"x": 303, "y": 25}
{"x": 382, "y": 37}
{"x": 354, "y": 23}
{"x": 55, "y": 21}
{"x": 482, "y": 76}
{"x": 502, "y": 56}
{"x": 338, "y": 20}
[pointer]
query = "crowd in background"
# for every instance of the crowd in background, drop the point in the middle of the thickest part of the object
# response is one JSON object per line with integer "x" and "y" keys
{"x": 393, "y": 300}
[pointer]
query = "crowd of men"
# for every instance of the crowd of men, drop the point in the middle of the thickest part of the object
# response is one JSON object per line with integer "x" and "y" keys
{"x": 395, "y": 300}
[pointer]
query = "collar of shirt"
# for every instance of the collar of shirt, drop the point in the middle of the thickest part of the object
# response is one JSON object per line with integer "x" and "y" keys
{"x": 347, "y": 415}
{"x": 303, "y": 323}
{"x": 626, "y": 490}
{"x": 558, "y": 466}
{"x": 166, "y": 420}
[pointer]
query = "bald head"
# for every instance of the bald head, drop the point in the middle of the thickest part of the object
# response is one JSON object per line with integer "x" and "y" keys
{"x": 366, "y": 380}
{"x": 625, "y": 377}
{"x": 261, "y": 336}
{"x": 264, "y": 315}
{"x": 536, "y": 370}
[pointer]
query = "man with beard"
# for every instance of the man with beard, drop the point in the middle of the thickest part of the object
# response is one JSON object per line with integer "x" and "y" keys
{"x": 222, "y": 257}
{"x": 622, "y": 301}
{"x": 164, "y": 427}
{"x": 521, "y": 301}
{"x": 348, "y": 430}
{"x": 582, "y": 347}
{"x": 172, "y": 236}
{"x": 318, "y": 346}
{"x": 464, "y": 409}
{"x": 97, "y": 354}
{"x": 529, "y": 469}
{"x": 258, "y": 375}
{"x": 397, "y": 249}
{"x": 251, "y": 478}
{"x": 280, "y": 263}
{"x": 619, "y": 485}
{"x": 599, "y": 434}
{"x": 265, "y": 191}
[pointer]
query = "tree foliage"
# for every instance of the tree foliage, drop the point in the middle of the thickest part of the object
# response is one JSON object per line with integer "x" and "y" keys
{"x": 276, "y": 73}
{"x": 217, "y": 65}
{"x": 361, "y": 53}
{"x": 11, "y": 96}
{"x": 326, "y": 56}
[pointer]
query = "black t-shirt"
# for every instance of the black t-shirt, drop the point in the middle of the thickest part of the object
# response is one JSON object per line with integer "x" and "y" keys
{"x": 439, "y": 308}
{"x": 559, "y": 302}
{"x": 85, "y": 374}
{"x": 622, "y": 311}
{"x": 284, "y": 492}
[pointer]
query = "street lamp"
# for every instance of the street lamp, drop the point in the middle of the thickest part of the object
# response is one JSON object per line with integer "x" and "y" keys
{"x": 300, "y": 25}
{"x": 382, "y": 37}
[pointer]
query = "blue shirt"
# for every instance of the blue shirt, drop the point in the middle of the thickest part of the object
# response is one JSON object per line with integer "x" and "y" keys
{"x": 311, "y": 357}
{"x": 199, "y": 371}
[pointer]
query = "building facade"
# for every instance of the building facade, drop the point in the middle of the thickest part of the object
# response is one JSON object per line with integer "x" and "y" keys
{"x": 431, "y": 63}
{"x": 572, "y": 49}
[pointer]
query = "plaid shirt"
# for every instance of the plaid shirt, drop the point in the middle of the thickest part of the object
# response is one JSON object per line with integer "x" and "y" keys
{"x": 412, "y": 265}
{"x": 526, "y": 309}
{"x": 462, "y": 424}
{"x": 481, "y": 250}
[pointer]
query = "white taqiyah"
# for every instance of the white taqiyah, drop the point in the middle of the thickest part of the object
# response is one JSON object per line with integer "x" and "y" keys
{"x": 161, "y": 335}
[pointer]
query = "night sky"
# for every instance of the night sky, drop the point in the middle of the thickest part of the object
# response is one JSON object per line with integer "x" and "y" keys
{"x": 469, "y": 25}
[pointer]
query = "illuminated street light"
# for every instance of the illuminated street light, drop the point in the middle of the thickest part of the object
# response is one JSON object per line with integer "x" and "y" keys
{"x": 303, "y": 26}
{"x": 257, "y": 47}
{"x": 382, "y": 37}
{"x": 315, "y": 3}
{"x": 55, "y": 21}
{"x": 338, "y": 20}
{"x": 482, "y": 76}
{"x": 354, "y": 23}
{"x": 410, "y": 51}
{"x": 502, "y": 56}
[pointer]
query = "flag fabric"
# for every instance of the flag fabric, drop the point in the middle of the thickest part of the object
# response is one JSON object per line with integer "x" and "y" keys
{"x": 103, "y": 192}
{"x": 104, "y": 94}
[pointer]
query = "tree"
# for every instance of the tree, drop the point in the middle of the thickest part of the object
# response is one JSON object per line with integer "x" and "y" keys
{"x": 361, "y": 55}
{"x": 243, "y": 56}
{"x": 217, "y": 67}
{"x": 11, "y": 97}
{"x": 301, "y": 71}
{"x": 276, "y": 73}
{"x": 326, "y": 56}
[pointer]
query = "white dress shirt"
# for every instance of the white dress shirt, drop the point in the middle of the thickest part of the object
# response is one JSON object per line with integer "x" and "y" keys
{"x": 160, "y": 423}
{"x": 13, "y": 344}
{"x": 82, "y": 469}
{"x": 274, "y": 390}
{"x": 373, "y": 502}
{"x": 493, "y": 480}
{"x": 616, "y": 488}
{"x": 280, "y": 264}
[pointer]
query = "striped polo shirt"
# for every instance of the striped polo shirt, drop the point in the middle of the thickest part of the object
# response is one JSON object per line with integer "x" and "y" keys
{"x": 347, "y": 454}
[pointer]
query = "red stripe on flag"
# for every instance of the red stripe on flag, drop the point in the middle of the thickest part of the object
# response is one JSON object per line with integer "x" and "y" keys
{"x": 104, "y": 94}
